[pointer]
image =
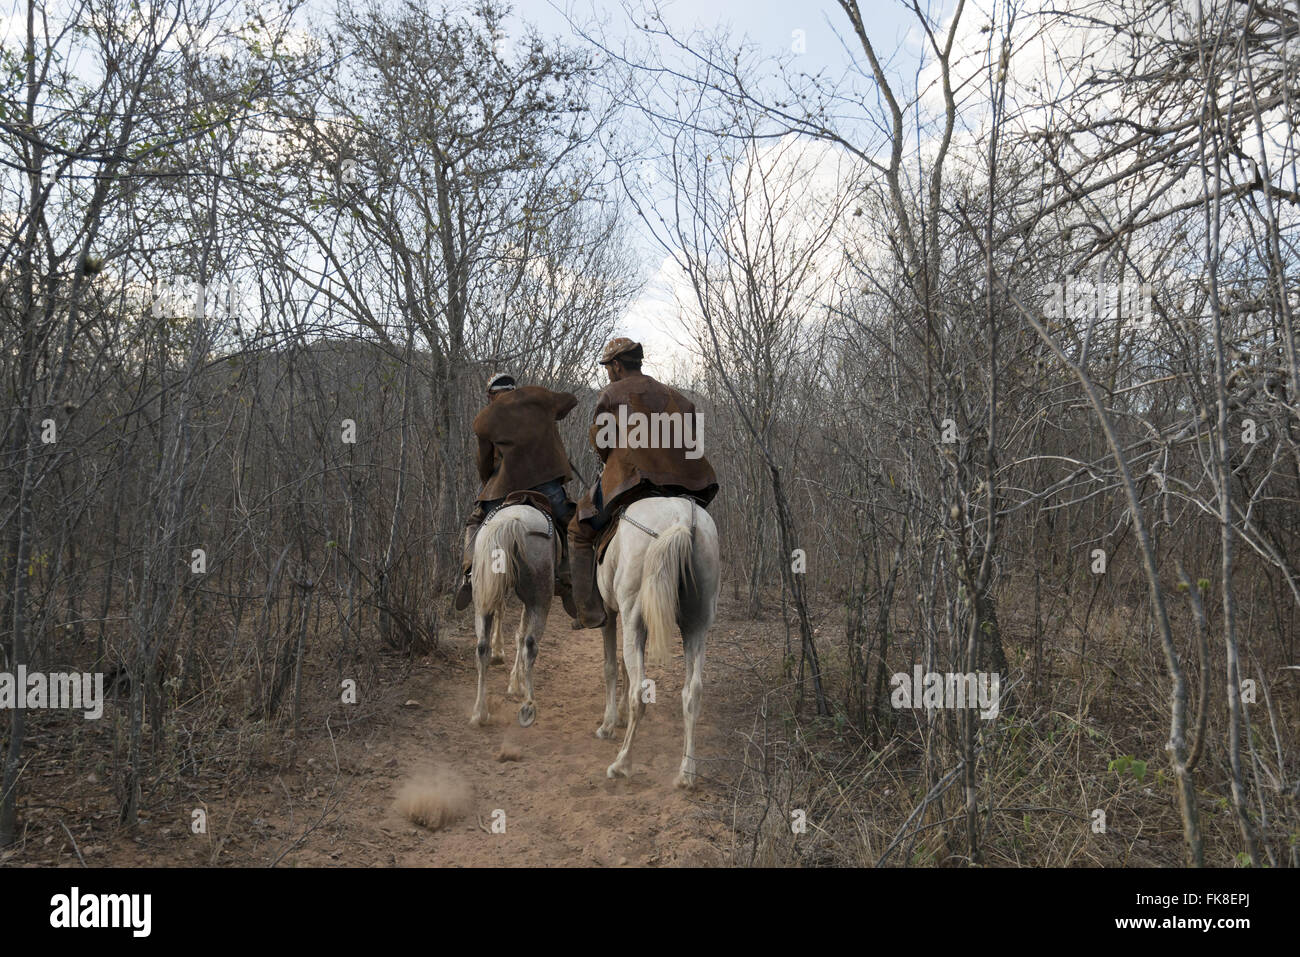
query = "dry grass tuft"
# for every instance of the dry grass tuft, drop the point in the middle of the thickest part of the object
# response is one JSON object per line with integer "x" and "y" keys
{"x": 435, "y": 798}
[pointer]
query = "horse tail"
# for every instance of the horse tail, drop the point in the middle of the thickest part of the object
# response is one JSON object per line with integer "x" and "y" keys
{"x": 497, "y": 554}
{"x": 667, "y": 567}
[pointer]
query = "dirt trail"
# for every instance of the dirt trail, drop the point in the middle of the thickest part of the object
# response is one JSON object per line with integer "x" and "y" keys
{"x": 560, "y": 808}
{"x": 336, "y": 802}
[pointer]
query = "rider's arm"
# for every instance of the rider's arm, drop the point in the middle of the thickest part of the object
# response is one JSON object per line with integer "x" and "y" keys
{"x": 564, "y": 403}
{"x": 486, "y": 459}
{"x": 603, "y": 405}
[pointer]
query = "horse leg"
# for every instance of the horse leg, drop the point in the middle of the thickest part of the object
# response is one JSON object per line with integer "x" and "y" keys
{"x": 692, "y": 693}
{"x": 483, "y": 630}
{"x": 498, "y": 650}
{"x": 612, "y": 667}
{"x": 634, "y": 639}
{"x": 530, "y": 631}
{"x": 513, "y": 688}
{"x": 621, "y": 710}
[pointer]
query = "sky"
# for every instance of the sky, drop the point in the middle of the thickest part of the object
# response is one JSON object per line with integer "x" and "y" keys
{"x": 1048, "y": 50}
{"x": 810, "y": 30}
{"x": 815, "y": 35}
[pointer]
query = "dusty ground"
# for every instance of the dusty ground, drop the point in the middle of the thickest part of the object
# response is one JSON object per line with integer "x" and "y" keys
{"x": 559, "y": 807}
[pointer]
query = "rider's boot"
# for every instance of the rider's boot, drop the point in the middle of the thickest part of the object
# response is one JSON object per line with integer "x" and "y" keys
{"x": 564, "y": 580}
{"x": 466, "y": 563}
{"x": 590, "y": 610}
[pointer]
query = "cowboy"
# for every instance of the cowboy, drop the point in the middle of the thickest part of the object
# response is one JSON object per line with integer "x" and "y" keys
{"x": 650, "y": 438}
{"x": 519, "y": 447}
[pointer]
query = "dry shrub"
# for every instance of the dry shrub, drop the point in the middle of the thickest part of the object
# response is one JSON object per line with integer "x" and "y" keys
{"x": 435, "y": 798}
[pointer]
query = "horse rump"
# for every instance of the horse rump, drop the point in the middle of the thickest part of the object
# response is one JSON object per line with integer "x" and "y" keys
{"x": 667, "y": 570}
{"x": 497, "y": 558}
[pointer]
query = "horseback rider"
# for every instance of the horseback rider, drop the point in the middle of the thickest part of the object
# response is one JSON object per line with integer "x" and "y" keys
{"x": 636, "y": 465}
{"x": 519, "y": 447}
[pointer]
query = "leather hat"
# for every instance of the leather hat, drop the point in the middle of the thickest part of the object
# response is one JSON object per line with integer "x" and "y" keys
{"x": 621, "y": 348}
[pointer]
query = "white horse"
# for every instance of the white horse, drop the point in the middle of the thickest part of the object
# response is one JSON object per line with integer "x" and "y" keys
{"x": 514, "y": 551}
{"x": 660, "y": 571}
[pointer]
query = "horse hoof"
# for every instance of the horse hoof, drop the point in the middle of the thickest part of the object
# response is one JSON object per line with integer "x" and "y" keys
{"x": 478, "y": 720}
{"x": 497, "y": 660}
{"x": 604, "y": 733}
{"x": 616, "y": 770}
{"x": 685, "y": 782}
{"x": 527, "y": 715}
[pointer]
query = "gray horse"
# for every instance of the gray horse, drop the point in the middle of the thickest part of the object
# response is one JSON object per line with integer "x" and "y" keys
{"x": 514, "y": 551}
{"x": 660, "y": 572}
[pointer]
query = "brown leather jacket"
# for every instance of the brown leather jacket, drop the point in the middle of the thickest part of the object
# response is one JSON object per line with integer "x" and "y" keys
{"x": 519, "y": 446}
{"x": 631, "y": 460}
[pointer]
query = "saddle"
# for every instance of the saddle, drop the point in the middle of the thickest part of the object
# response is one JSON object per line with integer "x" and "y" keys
{"x": 543, "y": 504}
{"x": 529, "y": 497}
{"x": 607, "y": 533}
